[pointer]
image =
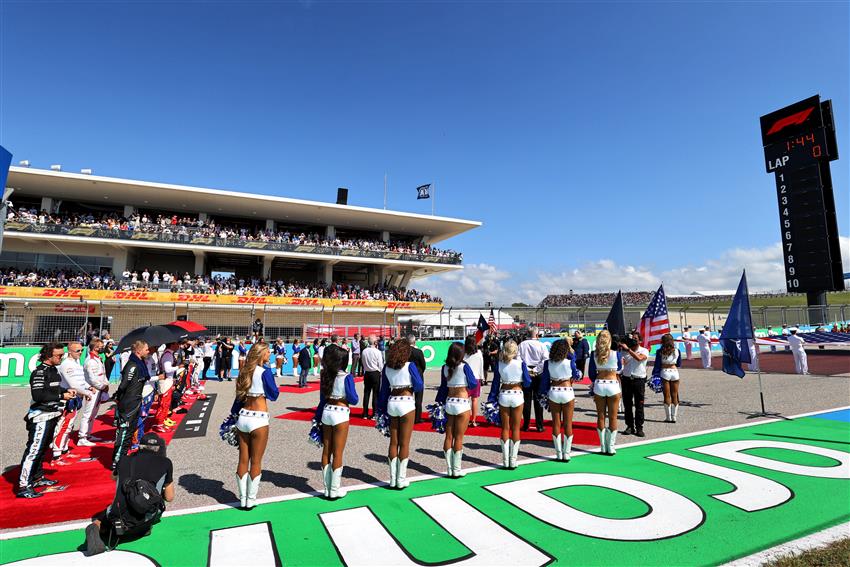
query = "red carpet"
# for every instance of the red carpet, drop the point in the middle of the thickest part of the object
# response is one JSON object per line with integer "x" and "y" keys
{"x": 90, "y": 488}
{"x": 312, "y": 386}
{"x": 584, "y": 432}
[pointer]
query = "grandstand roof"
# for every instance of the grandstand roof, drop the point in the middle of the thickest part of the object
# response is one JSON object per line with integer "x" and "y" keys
{"x": 147, "y": 194}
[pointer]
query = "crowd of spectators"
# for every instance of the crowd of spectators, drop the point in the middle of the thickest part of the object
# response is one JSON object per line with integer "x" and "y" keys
{"x": 166, "y": 281}
{"x": 184, "y": 228}
{"x": 634, "y": 298}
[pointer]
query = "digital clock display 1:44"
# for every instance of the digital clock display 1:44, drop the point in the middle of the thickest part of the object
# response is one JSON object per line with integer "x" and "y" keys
{"x": 798, "y": 151}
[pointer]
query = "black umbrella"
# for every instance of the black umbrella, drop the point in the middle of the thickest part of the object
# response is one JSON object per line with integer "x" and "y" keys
{"x": 154, "y": 335}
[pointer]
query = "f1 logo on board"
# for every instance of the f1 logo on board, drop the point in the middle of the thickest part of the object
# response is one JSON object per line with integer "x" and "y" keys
{"x": 797, "y": 118}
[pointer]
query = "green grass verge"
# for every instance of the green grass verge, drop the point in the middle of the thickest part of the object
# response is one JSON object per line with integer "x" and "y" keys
{"x": 836, "y": 298}
{"x": 836, "y": 554}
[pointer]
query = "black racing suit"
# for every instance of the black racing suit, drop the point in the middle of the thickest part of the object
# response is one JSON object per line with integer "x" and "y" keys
{"x": 129, "y": 401}
{"x": 46, "y": 407}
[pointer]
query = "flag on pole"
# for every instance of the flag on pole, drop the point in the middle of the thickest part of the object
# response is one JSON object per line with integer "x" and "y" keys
{"x": 491, "y": 323}
{"x": 5, "y": 162}
{"x": 655, "y": 321}
{"x": 616, "y": 320}
{"x": 423, "y": 191}
{"x": 737, "y": 330}
{"x": 482, "y": 328}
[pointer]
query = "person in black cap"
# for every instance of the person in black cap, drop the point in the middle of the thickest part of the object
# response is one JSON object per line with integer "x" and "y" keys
{"x": 145, "y": 484}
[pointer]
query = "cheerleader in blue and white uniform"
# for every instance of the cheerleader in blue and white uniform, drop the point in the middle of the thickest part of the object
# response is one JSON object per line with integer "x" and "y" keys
{"x": 605, "y": 366}
{"x": 336, "y": 393}
{"x": 457, "y": 384}
{"x": 510, "y": 376}
{"x": 556, "y": 382}
{"x": 668, "y": 360}
{"x": 399, "y": 381}
{"x": 254, "y": 386}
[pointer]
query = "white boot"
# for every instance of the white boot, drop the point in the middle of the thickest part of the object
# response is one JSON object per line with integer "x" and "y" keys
{"x": 253, "y": 489}
{"x": 602, "y": 440}
{"x": 559, "y": 454}
{"x": 457, "y": 458}
{"x": 506, "y": 452}
{"x": 514, "y": 453}
{"x": 326, "y": 480}
{"x": 668, "y": 413}
{"x": 393, "y": 472}
{"x": 402, "y": 473}
{"x": 242, "y": 488}
{"x": 675, "y": 413}
{"x": 612, "y": 441}
{"x": 568, "y": 447}
{"x": 449, "y": 463}
{"x": 336, "y": 480}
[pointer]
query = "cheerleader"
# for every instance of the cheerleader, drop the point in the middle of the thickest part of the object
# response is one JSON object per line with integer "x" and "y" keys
{"x": 399, "y": 380}
{"x": 475, "y": 359}
{"x": 510, "y": 376}
{"x": 317, "y": 357}
{"x": 254, "y": 386}
{"x": 668, "y": 359}
{"x": 605, "y": 364}
{"x": 556, "y": 382}
{"x": 337, "y": 392}
{"x": 457, "y": 385}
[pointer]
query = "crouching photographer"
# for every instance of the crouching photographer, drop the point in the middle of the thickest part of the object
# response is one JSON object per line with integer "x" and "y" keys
{"x": 144, "y": 486}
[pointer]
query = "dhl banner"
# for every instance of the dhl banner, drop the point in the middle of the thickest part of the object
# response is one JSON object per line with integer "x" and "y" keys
{"x": 205, "y": 298}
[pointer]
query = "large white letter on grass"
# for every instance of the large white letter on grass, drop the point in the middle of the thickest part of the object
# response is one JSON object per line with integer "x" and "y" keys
{"x": 235, "y": 546}
{"x": 670, "y": 514}
{"x": 731, "y": 450}
{"x": 751, "y": 492}
{"x": 362, "y": 540}
{"x": 79, "y": 559}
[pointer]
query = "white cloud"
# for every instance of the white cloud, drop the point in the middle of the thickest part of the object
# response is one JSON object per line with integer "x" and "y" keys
{"x": 478, "y": 283}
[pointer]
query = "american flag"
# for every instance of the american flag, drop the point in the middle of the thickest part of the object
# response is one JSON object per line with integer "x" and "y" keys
{"x": 491, "y": 322}
{"x": 655, "y": 322}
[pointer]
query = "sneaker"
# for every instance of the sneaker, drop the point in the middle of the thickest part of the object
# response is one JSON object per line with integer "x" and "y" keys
{"x": 181, "y": 410}
{"x": 28, "y": 492}
{"x": 85, "y": 443}
{"x": 169, "y": 422}
{"x": 94, "y": 543}
{"x": 61, "y": 462}
{"x": 44, "y": 482}
{"x": 640, "y": 433}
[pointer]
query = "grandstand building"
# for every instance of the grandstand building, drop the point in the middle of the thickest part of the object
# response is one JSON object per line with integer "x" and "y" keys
{"x": 230, "y": 235}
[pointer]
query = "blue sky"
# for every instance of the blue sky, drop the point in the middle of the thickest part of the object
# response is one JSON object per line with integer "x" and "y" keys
{"x": 602, "y": 144}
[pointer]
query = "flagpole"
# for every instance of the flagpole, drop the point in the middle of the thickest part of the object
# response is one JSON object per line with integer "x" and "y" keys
{"x": 755, "y": 345}
{"x": 761, "y": 391}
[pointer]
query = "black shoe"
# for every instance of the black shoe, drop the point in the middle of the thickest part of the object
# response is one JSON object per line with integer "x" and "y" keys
{"x": 629, "y": 431}
{"x": 640, "y": 433}
{"x": 524, "y": 428}
{"x": 44, "y": 482}
{"x": 28, "y": 492}
{"x": 94, "y": 543}
{"x": 539, "y": 428}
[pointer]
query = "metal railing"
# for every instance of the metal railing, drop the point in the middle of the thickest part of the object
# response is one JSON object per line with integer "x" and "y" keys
{"x": 200, "y": 237}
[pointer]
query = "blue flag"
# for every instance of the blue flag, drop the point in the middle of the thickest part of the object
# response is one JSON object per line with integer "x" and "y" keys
{"x": 5, "y": 162}
{"x": 737, "y": 330}
{"x": 423, "y": 191}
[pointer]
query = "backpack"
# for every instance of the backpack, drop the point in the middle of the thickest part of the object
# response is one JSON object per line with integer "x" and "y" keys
{"x": 143, "y": 499}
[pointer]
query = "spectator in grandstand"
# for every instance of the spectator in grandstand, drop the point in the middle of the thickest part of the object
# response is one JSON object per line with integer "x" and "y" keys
{"x": 96, "y": 379}
{"x": 533, "y": 354}
{"x": 704, "y": 340}
{"x": 145, "y": 484}
{"x": 72, "y": 378}
{"x": 689, "y": 346}
{"x": 48, "y": 401}
{"x": 633, "y": 382}
{"x": 556, "y": 383}
{"x": 457, "y": 385}
{"x": 399, "y": 381}
{"x": 605, "y": 366}
{"x": 417, "y": 357}
{"x": 254, "y": 386}
{"x": 336, "y": 394}
{"x": 509, "y": 379}
{"x": 373, "y": 363}
{"x": 801, "y": 361}
{"x": 475, "y": 359}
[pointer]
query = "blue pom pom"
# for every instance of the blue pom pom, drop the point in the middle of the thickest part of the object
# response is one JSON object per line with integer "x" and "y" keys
{"x": 315, "y": 436}
{"x": 227, "y": 430}
{"x": 437, "y": 411}
{"x": 491, "y": 412}
{"x": 655, "y": 384}
{"x": 544, "y": 401}
{"x": 382, "y": 423}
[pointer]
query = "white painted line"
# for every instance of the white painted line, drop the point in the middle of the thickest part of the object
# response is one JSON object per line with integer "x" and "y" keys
{"x": 795, "y": 547}
{"x": 298, "y": 496}
{"x": 194, "y": 421}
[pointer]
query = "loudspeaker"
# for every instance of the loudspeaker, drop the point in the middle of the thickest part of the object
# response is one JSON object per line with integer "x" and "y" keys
{"x": 342, "y": 196}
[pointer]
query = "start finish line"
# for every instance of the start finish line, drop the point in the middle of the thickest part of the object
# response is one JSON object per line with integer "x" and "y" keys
{"x": 702, "y": 499}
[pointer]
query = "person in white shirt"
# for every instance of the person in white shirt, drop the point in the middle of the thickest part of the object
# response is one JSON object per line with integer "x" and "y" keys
{"x": 801, "y": 360}
{"x": 72, "y": 378}
{"x": 754, "y": 353}
{"x": 704, "y": 340}
{"x": 373, "y": 363}
{"x": 533, "y": 354}
{"x": 633, "y": 382}
{"x": 95, "y": 376}
{"x": 689, "y": 346}
{"x": 785, "y": 334}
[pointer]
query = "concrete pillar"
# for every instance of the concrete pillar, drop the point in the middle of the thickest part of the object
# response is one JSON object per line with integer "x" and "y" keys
{"x": 330, "y": 232}
{"x": 405, "y": 278}
{"x": 271, "y": 225}
{"x": 203, "y": 217}
{"x": 119, "y": 262}
{"x": 376, "y": 275}
{"x": 47, "y": 204}
{"x": 200, "y": 262}
{"x": 128, "y": 211}
{"x": 326, "y": 272}
{"x": 267, "y": 266}
{"x": 385, "y": 235}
